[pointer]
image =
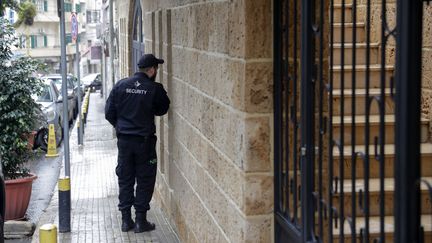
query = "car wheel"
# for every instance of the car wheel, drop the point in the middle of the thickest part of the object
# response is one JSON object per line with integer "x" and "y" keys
{"x": 42, "y": 139}
{"x": 59, "y": 135}
{"x": 37, "y": 142}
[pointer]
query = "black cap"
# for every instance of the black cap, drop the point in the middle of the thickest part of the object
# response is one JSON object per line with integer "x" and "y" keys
{"x": 149, "y": 60}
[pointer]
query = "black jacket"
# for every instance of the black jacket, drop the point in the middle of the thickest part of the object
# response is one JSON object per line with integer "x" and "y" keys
{"x": 133, "y": 103}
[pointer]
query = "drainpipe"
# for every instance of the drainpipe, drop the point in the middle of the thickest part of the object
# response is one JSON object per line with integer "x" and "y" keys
{"x": 111, "y": 42}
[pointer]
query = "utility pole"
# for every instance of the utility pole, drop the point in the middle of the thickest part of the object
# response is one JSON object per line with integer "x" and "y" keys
{"x": 64, "y": 183}
{"x": 77, "y": 61}
{"x": 81, "y": 124}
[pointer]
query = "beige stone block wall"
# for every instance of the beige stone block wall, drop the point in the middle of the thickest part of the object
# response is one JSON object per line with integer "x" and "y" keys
{"x": 427, "y": 64}
{"x": 215, "y": 175}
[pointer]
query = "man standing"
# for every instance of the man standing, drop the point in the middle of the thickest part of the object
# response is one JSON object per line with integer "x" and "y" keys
{"x": 131, "y": 107}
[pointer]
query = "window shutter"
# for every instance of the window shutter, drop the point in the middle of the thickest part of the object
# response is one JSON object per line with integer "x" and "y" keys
{"x": 45, "y": 6}
{"x": 33, "y": 41}
{"x": 68, "y": 38}
{"x": 45, "y": 41}
{"x": 68, "y": 7}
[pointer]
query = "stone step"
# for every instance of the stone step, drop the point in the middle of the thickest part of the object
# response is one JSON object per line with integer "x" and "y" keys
{"x": 337, "y": 14}
{"x": 336, "y": 2}
{"x": 374, "y": 196}
{"x": 374, "y": 229}
{"x": 374, "y": 168}
{"x": 348, "y": 33}
{"x": 360, "y": 50}
{"x": 360, "y": 102}
{"x": 374, "y": 129}
{"x": 360, "y": 75}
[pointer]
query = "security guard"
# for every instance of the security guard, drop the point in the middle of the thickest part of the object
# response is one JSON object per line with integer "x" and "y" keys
{"x": 131, "y": 108}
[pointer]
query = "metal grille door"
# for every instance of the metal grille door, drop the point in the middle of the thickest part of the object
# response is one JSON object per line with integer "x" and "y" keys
{"x": 349, "y": 137}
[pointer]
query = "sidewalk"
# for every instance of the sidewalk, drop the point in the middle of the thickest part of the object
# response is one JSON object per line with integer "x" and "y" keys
{"x": 94, "y": 190}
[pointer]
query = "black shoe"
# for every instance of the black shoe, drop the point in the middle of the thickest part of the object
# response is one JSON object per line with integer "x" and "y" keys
{"x": 141, "y": 223}
{"x": 127, "y": 225}
{"x": 127, "y": 222}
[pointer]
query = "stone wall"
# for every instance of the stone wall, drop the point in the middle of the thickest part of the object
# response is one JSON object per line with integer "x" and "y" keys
{"x": 215, "y": 176}
{"x": 427, "y": 65}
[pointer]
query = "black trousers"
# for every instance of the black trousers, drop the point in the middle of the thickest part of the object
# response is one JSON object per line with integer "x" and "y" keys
{"x": 136, "y": 163}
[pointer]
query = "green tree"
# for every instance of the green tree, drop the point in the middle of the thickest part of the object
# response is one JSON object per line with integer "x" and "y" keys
{"x": 7, "y": 4}
{"x": 26, "y": 13}
{"x": 17, "y": 108}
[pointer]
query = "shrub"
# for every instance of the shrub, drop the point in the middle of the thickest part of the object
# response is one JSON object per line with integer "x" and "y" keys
{"x": 17, "y": 108}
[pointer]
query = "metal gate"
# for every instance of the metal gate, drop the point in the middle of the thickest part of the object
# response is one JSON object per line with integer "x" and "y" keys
{"x": 347, "y": 85}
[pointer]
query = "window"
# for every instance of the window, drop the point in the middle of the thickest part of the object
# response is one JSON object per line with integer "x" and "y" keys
{"x": 78, "y": 8}
{"x": 11, "y": 16}
{"x": 46, "y": 95}
{"x": 67, "y": 7}
{"x": 33, "y": 41}
{"x": 36, "y": 41}
{"x": 93, "y": 16}
{"x": 68, "y": 38}
{"x": 56, "y": 92}
{"x": 96, "y": 16}
{"x": 41, "y": 5}
{"x": 22, "y": 41}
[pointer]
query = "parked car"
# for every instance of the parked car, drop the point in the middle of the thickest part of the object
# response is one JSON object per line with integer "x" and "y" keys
{"x": 92, "y": 81}
{"x": 51, "y": 112}
{"x": 72, "y": 95}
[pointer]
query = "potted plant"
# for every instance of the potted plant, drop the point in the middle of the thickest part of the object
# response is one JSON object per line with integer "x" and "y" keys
{"x": 17, "y": 119}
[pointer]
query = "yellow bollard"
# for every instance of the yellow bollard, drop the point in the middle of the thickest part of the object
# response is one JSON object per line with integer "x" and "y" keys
{"x": 64, "y": 201}
{"x": 48, "y": 233}
{"x": 52, "y": 145}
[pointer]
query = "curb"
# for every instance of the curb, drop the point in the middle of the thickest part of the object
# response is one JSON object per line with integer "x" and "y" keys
{"x": 18, "y": 229}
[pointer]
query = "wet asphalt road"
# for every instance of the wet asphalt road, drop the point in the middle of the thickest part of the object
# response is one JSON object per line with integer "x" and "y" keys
{"x": 47, "y": 170}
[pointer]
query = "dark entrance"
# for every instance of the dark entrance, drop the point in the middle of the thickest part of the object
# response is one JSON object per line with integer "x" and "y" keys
{"x": 348, "y": 129}
{"x": 138, "y": 35}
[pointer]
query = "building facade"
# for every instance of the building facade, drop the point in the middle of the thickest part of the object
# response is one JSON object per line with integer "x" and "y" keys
{"x": 42, "y": 39}
{"x": 91, "y": 60}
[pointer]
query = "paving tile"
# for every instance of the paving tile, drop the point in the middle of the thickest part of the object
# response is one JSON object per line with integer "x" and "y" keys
{"x": 94, "y": 190}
